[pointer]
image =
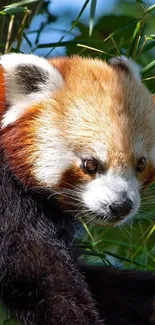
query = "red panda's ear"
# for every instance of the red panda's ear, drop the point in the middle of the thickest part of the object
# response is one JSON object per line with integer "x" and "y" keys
{"x": 127, "y": 65}
{"x": 29, "y": 79}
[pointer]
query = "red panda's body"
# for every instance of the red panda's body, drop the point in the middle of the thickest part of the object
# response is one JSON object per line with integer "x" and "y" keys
{"x": 77, "y": 138}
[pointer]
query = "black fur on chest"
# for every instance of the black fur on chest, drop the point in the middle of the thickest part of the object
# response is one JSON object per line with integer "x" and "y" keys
{"x": 21, "y": 207}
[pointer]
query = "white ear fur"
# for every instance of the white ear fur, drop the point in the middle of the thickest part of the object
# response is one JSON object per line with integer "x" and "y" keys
{"x": 129, "y": 64}
{"x": 29, "y": 79}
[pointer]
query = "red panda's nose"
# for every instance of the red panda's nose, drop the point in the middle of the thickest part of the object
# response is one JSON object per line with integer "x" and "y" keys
{"x": 121, "y": 207}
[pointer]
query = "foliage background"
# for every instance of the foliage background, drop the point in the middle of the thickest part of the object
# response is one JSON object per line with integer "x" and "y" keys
{"x": 128, "y": 28}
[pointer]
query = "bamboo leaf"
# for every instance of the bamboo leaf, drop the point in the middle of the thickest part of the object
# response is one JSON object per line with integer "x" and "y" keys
{"x": 150, "y": 37}
{"x": 20, "y": 3}
{"x": 150, "y": 9}
{"x": 92, "y": 16}
{"x": 135, "y": 39}
{"x": 12, "y": 11}
{"x": 148, "y": 68}
{"x": 125, "y": 259}
{"x": 80, "y": 14}
{"x": 66, "y": 43}
{"x": 149, "y": 46}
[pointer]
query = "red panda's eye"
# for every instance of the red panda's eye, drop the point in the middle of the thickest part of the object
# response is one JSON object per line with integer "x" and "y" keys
{"x": 141, "y": 165}
{"x": 90, "y": 165}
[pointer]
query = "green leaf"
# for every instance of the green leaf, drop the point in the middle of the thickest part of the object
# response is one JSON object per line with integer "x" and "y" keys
{"x": 56, "y": 44}
{"x": 66, "y": 43}
{"x": 123, "y": 258}
{"x": 135, "y": 39}
{"x": 150, "y": 9}
{"x": 12, "y": 11}
{"x": 92, "y": 16}
{"x": 2, "y": 13}
{"x": 149, "y": 46}
{"x": 148, "y": 68}
{"x": 144, "y": 256}
{"x": 20, "y": 3}
{"x": 80, "y": 14}
{"x": 151, "y": 37}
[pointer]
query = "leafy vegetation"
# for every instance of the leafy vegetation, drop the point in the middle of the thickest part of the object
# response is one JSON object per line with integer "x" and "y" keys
{"x": 128, "y": 29}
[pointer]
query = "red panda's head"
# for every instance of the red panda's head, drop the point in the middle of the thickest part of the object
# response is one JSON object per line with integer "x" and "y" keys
{"x": 81, "y": 127}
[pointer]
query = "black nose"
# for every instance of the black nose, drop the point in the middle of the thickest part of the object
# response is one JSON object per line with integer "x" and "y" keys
{"x": 121, "y": 208}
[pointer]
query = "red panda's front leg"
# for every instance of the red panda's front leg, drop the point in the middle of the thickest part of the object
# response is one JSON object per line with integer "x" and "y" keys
{"x": 40, "y": 285}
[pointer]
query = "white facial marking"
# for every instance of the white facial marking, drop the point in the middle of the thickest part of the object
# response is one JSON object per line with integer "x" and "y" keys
{"x": 133, "y": 68}
{"x": 18, "y": 100}
{"x": 106, "y": 189}
{"x": 100, "y": 151}
{"x": 54, "y": 158}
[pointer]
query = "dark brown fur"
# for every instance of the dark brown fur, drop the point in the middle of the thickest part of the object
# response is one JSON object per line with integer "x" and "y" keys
{"x": 39, "y": 282}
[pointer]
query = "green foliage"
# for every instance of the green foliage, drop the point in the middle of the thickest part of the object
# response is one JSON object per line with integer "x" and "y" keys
{"x": 128, "y": 29}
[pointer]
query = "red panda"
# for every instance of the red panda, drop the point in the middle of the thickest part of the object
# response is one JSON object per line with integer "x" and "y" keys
{"x": 77, "y": 138}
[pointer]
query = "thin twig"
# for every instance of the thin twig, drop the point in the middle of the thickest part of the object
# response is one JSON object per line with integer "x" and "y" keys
{"x": 21, "y": 29}
{"x": 10, "y": 27}
{"x": 148, "y": 78}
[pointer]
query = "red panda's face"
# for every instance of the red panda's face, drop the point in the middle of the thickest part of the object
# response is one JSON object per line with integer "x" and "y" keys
{"x": 83, "y": 129}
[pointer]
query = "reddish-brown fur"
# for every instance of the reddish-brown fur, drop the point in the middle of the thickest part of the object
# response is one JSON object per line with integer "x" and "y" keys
{"x": 2, "y": 90}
